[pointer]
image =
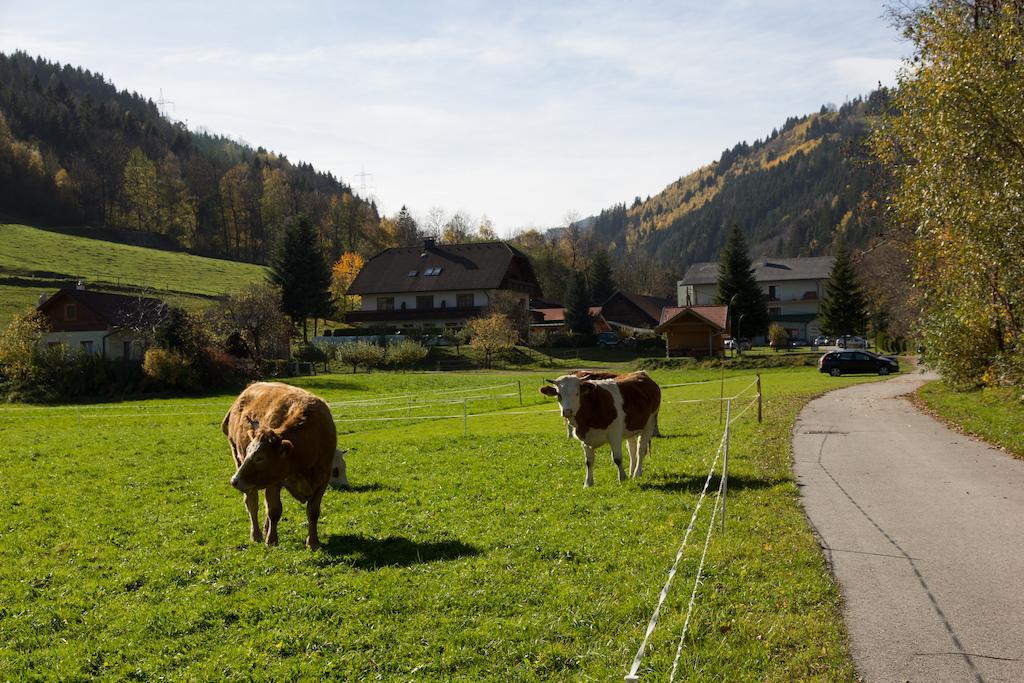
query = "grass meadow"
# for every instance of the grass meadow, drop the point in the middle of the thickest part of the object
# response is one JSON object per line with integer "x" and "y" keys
{"x": 124, "y": 551}
{"x": 994, "y": 414}
{"x": 31, "y": 259}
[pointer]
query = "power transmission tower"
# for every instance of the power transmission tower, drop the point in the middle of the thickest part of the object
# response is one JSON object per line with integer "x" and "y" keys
{"x": 161, "y": 104}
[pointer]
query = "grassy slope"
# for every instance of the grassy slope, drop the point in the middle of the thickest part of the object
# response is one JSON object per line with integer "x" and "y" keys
{"x": 39, "y": 255}
{"x": 472, "y": 558}
{"x": 995, "y": 415}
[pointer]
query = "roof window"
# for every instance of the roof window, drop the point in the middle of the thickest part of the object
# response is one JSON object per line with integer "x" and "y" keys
{"x": 433, "y": 270}
{"x": 412, "y": 273}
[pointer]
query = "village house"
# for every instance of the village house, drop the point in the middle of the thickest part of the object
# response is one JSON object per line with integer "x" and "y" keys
{"x": 442, "y": 285}
{"x": 694, "y": 330}
{"x": 793, "y": 287}
{"x": 633, "y": 312}
{"x": 112, "y": 326}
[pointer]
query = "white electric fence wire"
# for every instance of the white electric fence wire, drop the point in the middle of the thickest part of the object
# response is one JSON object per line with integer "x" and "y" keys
{"x": 632, "y": 675}
{"x": 696, "y": 582}
{"x": 415, "y": 397}
{"x": 749, "y": 405}
{"x": 704, "y": 381}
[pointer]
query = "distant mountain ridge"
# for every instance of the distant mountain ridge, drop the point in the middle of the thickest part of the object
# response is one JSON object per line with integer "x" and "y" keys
{"x": 791, "y": 194}
{"x": 75, "y": 150}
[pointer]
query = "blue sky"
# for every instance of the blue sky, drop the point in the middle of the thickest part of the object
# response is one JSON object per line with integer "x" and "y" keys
{"x": 522, "y": 111}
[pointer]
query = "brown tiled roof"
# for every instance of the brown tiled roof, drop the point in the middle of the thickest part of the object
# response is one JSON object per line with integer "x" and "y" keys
{"x": 766, "y": 270}
{"x": 474, "y": 266}
{"x": 716, "y": 315}
{"x": 557, "y": 315}
{"x": 651, "y": 305}
{"x": 118, "y": 310}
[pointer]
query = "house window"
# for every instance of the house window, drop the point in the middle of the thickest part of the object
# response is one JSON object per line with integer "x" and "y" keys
{"x": 773, "y": 294}
{"x": 464, "y": 300}
{"x": 433, "y": 270}
{"x": 87, "y": 348}
{"x": 426, "y": 301}
{"x": 385, "y": 303}
{"x": 70, "y": 312}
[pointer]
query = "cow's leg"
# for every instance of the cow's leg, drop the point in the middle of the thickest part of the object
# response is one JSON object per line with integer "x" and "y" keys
{"x": 588, "y": 453}
{"x": 273, "y": 496}
{"x": 313, "y": 516}
{"x": 568, "y": 429}
{"x": 657, "y": 430}
{"x": 643, "y": 443}
{"x": 631, "y": 445}
{"x": 252, "y": 506}
{"x": 615, "y": 443}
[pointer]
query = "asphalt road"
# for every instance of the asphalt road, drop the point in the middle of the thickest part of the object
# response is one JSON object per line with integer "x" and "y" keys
{"x": 924, "y": 530}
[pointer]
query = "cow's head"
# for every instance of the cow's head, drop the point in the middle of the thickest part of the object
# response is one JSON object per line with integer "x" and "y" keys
{"x": 266, "y": 459}
{"x": 569, "y": 389}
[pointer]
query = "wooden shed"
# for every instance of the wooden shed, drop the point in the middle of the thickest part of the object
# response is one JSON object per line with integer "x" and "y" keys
{"x": 694, "y": 330}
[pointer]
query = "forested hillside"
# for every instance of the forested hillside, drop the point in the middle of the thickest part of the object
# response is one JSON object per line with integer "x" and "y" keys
{"x": 74, "y": 150}
{"x": 791, "y": 194}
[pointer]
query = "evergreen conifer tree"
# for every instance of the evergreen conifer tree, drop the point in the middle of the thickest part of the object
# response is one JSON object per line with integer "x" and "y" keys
{"x": 300, "y": 270}
{"x": 736, "y": 278}
{"x": 599, "y": 275}
{"x": 844, "y": 310}
{"x": 577, "y": 305}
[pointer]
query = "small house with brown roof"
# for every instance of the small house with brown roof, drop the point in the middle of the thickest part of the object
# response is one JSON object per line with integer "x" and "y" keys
{"x": 694, "y": 330}
{"x": 441, "y": 285}
{"x": 633, "y": 311}
{"x": 113, "y": 326}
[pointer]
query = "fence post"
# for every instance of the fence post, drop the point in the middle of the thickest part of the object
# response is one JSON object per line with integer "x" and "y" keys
{"x": 465, "y": 419}
{"x": 721, "y": 392}
{"x": 438, "y": 366}
{"x": 759, "y": 398}
{"x": 519, "y": 383}
{"x": 725, "y": 462}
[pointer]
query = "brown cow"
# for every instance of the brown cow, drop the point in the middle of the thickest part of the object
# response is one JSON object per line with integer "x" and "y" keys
{"x": 608, "y": 411}
{"x": 281, "y": 436}
{"x": 597, "y": 374}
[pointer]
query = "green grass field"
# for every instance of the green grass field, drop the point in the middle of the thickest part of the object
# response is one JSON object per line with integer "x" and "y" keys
{"x": 36, "y": 258}
{"x": 994, "y": 414}
{"x": 124, "y": 551}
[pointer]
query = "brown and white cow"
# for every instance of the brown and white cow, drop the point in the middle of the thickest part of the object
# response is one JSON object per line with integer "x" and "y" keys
{"x": 597, "y": 374}
{"x": 281, "y": 436}
{"x": 606, "y": 411}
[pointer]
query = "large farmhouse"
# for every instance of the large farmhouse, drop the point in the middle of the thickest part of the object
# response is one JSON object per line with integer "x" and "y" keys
{"x": 441, "y": 285}
{"x": 111, "y": 326}
{"x": 794, "y": 288}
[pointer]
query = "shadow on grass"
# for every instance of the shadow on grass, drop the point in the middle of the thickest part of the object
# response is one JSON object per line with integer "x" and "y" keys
{"x": 693, "y": 484}
{"x": 364, "y": 488}
{"x": 395, "y": 551}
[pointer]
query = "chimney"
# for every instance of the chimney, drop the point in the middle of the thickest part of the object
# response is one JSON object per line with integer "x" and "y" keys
{"x": 428, "y": 244}
{"x": 80, "y": 286}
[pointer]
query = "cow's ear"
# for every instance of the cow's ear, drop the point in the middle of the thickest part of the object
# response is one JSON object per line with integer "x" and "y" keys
{"x": 286, "y": 447}
{"x": 548, "y": 390}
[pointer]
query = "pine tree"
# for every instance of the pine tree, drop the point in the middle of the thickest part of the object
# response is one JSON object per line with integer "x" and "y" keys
{"x": 736, "y": 278}
{"x": 577, "y": 306}
{"x": 844, "y": 310}
{"x": 300, "y": 270}
{"x": 599, "y": 276}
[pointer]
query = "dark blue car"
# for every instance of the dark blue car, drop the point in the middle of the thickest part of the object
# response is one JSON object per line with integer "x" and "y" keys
{"x": 848, "y": 362}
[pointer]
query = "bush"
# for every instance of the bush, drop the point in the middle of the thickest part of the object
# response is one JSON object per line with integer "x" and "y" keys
{"x": 361, "y": 354}
{"x": 171, "y": 369}
{"x": 405, "y": 354}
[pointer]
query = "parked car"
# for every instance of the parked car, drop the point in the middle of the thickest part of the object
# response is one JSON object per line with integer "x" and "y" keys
{"x": 821, "y": 340}
{"x": 733, "y": 344}
{"x": 850, "y": 342}
{"x": 844, "y": 362}
{"x": 797, "y": 342}
{"x": 611, "y": 340}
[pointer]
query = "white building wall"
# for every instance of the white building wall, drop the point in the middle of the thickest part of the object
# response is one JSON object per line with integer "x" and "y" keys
{"x": 93, "y": 343}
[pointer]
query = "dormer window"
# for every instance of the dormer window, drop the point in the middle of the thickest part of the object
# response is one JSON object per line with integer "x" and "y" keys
{"x": 433, "y": 270}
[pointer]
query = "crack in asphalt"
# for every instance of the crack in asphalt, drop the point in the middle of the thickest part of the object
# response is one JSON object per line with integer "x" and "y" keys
{"x": 913, "y": 565}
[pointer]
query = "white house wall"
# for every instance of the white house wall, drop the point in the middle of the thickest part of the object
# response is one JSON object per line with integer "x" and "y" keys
{"x": 73, "y": 343}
